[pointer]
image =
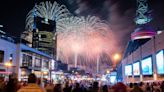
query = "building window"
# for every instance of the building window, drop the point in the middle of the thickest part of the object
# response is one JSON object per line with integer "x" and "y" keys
{"x": 24, "y": 60}
{"x": 37, "y": 62}
{"x": 1, "y": 56}
{"x": 30, "y": 61}
{"x": 45, "y": 64}
{"x": 27, "y": 60}
{"x": 43, "y": 36}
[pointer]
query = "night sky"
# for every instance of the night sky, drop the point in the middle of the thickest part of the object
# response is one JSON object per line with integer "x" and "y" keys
{"x": 118, "y": 13}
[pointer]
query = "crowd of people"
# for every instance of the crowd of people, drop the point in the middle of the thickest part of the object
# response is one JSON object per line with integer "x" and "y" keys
{"x": 32, "y": 85}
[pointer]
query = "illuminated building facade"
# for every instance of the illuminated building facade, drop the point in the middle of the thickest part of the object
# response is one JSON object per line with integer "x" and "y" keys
{"x": 43, "y": 36}
{"x": 23, "y": 59}
{"x": 30, "y": 60}
{"x": 144, "y": 60}
{"x": 7, "y": 54}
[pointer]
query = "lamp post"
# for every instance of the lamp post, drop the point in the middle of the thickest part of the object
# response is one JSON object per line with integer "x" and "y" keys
{"x": 8, "y": 65}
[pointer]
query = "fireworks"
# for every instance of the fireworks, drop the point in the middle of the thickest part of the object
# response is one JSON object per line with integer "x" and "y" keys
{"x": 48, "y": 11}
{"x": 87, "y": 38}
{"x": 80, "y": 39}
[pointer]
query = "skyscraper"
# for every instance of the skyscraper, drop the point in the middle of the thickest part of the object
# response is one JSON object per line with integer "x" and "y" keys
{"x": 43, "y": 35}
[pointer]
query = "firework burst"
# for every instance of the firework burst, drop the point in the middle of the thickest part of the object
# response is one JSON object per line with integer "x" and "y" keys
{"x": 48, "y": 11}
{"x": 83, "y": 39}
{"x": 86, "y": 38}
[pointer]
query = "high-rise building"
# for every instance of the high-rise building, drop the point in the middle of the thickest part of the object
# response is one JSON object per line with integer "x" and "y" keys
{"x": 43, "y": 36}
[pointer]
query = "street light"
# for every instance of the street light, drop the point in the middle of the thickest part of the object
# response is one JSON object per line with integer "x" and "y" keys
{"x": 116, "y": 57}
{"x": 107, "y": 71}
{"x": 8, "y": 65}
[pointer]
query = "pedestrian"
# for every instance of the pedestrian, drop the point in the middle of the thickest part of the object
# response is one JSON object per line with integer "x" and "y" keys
{"x": 32, "y": 85}
{"x": 162, "y": 86}
{"x": 77, "y": 88}
{"x": 58, "y": 88}
{"x": 67, "y": 88}
{"x": 2, "y": 84}
{"x": 120, "y": 87}
{"x": 130, "y": 87}
{"x": 95, "y": 87}
{"x": 105, "y": 88}
{"x": 49, "y": 87}
{"x": 12, "y": 84}
{"x": 136, "y": 88}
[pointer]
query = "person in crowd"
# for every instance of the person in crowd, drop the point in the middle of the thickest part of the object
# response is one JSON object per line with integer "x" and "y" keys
{"x": 49, "y": 87}
{"x": 110, "y": 89}
{"x": 158, "y": 86}
{"x": 89, "y": 88}
{"x": 120, "y": 87}
{"x": 25, "y": 83}
{"x": 83, "y": 88}
{"x": 130, "y": 87}
{"x": 105, "y": 88}
{"x": 11, "y": 85}
{"x": 32, "y": 86}
{"x": 148, "y": 88}
{"x": 95, "y": 87}
{"x": 77, "y": 88}
{"x": 58, "y": 88}
{"x": 67, "y": 88}
{"x": 2, "y": 84}
{"x": 162, "y": 86}
{"x": 155, "y": 87}
{"x": 136, "y": 88}
{"x": 142, "y": 86}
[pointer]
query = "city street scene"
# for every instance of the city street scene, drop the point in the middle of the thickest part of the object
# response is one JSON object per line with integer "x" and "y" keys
{"x": 81, "y": 46}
